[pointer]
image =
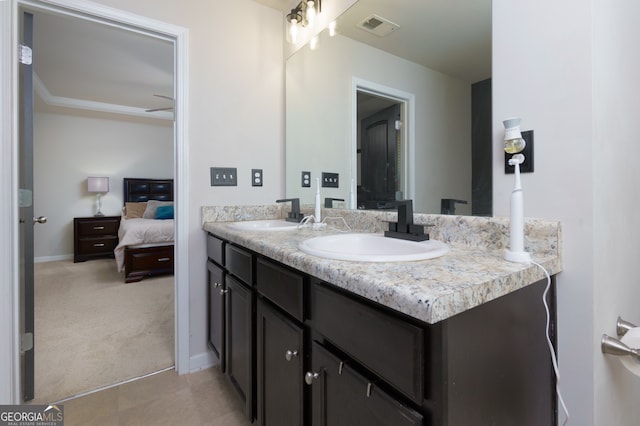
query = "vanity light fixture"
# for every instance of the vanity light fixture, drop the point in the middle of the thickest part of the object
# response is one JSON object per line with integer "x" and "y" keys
{"x": 303, "y": 15}
{"x": 294, "y": 19}
{"x": 514, "y": 144}
{"x": 99, "y": 185}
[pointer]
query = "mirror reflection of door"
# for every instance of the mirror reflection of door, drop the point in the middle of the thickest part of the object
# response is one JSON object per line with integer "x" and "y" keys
{"x": 379, "y": 151}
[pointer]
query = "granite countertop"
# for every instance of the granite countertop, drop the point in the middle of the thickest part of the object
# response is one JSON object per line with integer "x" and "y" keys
{"x": 472, "y": 273}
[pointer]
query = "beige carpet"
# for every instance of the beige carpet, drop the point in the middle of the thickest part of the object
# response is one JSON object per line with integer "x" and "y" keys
{"x": 94, "y": 330}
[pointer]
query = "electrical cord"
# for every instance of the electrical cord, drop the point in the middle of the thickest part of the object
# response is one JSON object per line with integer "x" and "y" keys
{"x": 551, "y": 349}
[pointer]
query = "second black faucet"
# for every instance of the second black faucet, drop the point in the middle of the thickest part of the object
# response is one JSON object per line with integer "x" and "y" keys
{"x": 405, "y": 229}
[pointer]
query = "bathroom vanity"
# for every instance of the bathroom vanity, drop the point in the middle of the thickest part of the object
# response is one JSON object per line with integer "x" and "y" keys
{"x": 449, "y": 341}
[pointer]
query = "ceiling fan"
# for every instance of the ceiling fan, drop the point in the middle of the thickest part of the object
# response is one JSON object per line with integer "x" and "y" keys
{"x": 170, "y": 108}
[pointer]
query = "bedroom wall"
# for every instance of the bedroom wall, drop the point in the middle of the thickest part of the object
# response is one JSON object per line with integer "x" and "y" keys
{"x": 68, "y": 149}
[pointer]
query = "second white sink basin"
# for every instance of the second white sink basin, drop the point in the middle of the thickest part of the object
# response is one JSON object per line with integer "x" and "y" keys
{"x": 265, "y": 225}
{"x": 372, "y": 248}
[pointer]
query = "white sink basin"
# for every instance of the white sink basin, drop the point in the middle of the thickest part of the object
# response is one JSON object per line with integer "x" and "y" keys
{"x": 372, "y": 248}
{"x": 265, "y": 225}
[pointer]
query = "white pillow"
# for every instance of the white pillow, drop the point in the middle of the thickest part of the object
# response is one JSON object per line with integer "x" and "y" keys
{"x": 152, "y": 206}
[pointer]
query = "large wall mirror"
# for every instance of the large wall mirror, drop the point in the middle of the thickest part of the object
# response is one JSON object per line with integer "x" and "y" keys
{"x": 398, "y": 104}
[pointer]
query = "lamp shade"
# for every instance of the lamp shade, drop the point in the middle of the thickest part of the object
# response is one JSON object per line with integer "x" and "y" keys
{"x": 98, "y": 184}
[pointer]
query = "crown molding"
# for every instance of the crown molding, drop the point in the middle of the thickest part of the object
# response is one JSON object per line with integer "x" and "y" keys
{"x": 60, "y": 101}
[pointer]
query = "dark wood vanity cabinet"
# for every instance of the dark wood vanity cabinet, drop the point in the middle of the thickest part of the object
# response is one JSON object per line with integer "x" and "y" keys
{"x": 304, "y": 352}
{"x": 231, "y": 311}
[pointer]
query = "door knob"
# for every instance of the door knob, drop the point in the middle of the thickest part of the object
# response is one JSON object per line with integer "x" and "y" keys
{"x": 290, "y": 354}
{"x": 310, "y": 377}
{"x": 41, "y": 219}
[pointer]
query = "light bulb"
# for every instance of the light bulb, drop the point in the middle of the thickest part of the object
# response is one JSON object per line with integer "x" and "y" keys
{"x": 293, "y": 30}
{"x": 311, "y": 12}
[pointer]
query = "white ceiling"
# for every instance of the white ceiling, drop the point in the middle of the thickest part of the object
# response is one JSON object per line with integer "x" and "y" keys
{"x": 450, "y": 36}
{"x": 81, "y": 63}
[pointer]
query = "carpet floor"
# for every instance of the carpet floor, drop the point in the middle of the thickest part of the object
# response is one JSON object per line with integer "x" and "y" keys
{"x": 93, "y": 330}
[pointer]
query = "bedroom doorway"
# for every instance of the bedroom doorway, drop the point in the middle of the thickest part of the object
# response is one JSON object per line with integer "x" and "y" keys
{"x": 99, "y": 271}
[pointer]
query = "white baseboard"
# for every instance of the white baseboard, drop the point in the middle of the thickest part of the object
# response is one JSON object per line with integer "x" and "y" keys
{"x": 52, "y": 258}
{"x": 202, "y": 361}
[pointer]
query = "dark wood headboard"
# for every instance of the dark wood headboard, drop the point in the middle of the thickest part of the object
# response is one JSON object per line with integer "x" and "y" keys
{"x": 139, "y": 190}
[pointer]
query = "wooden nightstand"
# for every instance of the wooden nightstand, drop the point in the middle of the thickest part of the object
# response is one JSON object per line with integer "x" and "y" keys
{"x": 94, "y": 237}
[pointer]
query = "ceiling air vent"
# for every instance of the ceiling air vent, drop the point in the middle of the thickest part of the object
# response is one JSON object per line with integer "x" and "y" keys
{"x": 378, "y": 25}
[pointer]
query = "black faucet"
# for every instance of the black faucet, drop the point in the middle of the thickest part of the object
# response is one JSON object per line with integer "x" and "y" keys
{"x": 448, "y": 205}
{"x": 294, "y": 215}
{"x": 405, "y": 229}
{"x": 328, "y": 202}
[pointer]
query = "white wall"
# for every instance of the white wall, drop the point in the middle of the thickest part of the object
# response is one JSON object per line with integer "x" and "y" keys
{"x": 316, "y": 130}
{"x": 68, "y": 149}
{"x": 236, "y": 105}
{"x": 616, "y": 278}
{"x": 568, "y": 69}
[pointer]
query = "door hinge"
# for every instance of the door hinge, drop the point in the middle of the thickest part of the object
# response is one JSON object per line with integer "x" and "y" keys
{"x": 26, "y": 342}
{"x": 25, "y": 197}
{"x": 25, "y": 55}
{"x": 398, "y": 124}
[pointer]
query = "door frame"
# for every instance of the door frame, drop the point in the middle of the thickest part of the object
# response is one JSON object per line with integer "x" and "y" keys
{"x": 9, "y": 117}
{"x": 407, "y": 114}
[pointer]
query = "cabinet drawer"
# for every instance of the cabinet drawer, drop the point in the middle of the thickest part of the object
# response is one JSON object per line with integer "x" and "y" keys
{"x": 215, "y": 249}
{"x": 239, "y": 263}
{"x": 151, "y": 258}
{"x": 98, "y": 227}
{"x": 97, "y": 245}
{"x": 283, "y": 287}
{"x": 389, "y": 347}
{"x": 343, "y": 397}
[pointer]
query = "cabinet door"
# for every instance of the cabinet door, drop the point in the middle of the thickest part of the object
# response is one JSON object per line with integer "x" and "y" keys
{"x": 239, "y": 338}
{"x": 343, "y": 397}
{"x": 215, "y": 284}
{"x": 280, "y": 368}
{"x": 391, "y": 348}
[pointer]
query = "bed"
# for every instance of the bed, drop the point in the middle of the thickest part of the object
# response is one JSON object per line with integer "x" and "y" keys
{"x": 146, "y": 234}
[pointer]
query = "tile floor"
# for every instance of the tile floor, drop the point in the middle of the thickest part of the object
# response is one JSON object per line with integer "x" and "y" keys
{"x": 201, "y": 398}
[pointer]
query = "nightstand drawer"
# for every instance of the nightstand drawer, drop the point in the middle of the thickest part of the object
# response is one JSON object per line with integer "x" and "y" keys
{"x": 97, "y": 245}
{"x": 98, "y": 227}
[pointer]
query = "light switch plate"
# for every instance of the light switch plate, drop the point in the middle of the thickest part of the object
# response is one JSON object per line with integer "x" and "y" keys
{"x": 224, "y": 176}
{"x": 330, "y": 180}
